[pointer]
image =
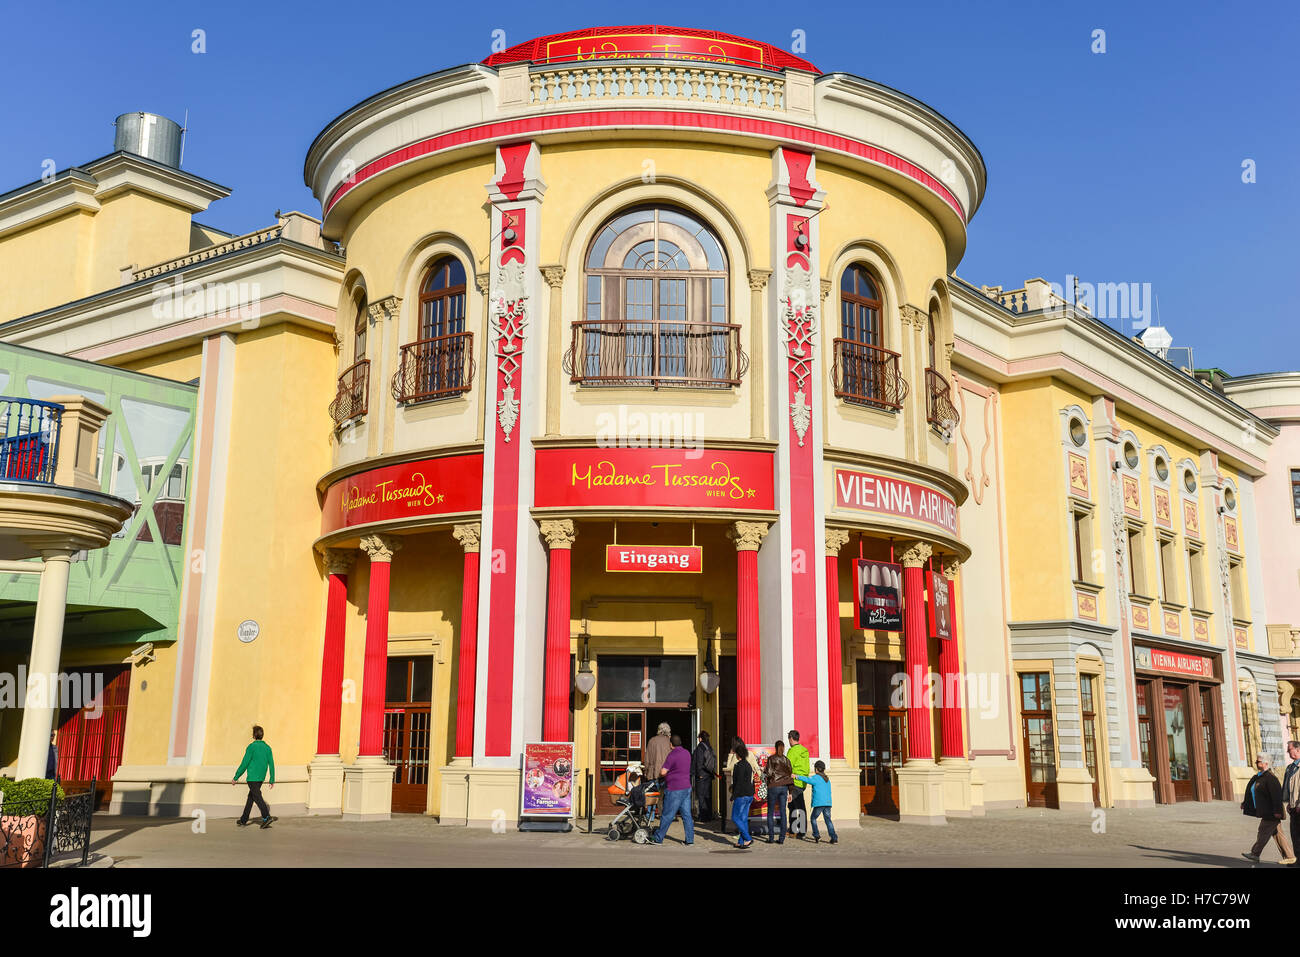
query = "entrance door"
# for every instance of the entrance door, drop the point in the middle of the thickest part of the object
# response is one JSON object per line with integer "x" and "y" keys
{"x": 1178, "y": 735}
{"x": 882, "y": 736}
{"x": 1146, "y": 733}
{"x": 620, "y": 740}
{"x": 1039, "y": 740}
{"x": 407, "y": 731}
{"x": 1091, "y": 745}
{"x": 1210, "y": 741}
{"x": 89, "y": 741}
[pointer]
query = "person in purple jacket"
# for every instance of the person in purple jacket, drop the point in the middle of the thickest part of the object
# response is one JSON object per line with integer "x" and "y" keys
{"x": 676, "y": 772}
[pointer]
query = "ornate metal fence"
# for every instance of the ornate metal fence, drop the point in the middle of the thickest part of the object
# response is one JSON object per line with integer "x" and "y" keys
{"x": 29, "y": 439}
{"x": 36, "y": 833}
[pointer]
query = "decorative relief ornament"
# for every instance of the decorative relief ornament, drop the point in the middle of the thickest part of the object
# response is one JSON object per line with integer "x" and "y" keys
{"x": 554, "y": 275}
{"x": 508, "y": 317}
{"x": 748, "y": 536}
{"x": 1225, "y": 572}
{"x": 799, "y": 329}
{"x": 559, "y": 533}
{"x": 836, "y": 538}
{"x": 758, "y": 279}
{"x": 1119, "y": 536}
{"x": 950, "y": 569}
{"x": 383, "y": 309}
{"x": 917, "y": 554}
{"x": 339, "y": 561}
{"x": 381, "y": 548}
{"x": 467, "y": 535}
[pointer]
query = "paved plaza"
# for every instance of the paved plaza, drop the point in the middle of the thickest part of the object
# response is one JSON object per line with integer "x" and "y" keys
{"x": 1181, "y": 835}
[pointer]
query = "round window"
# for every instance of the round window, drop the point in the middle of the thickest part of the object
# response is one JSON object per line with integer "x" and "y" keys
{"x": 1230, "y": 499}
{"x": 1189, "y": 481}
{"x": 1078, "y": 434}
{"x": 1131, "y": 455}
{"x": 1162, "y": 469}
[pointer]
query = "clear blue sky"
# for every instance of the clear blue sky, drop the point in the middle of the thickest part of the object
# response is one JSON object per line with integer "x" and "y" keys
{"x": 1116, "y": 167}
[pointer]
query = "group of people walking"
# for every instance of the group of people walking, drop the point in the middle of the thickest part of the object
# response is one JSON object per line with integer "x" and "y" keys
{"x": 1271, "y": 801}
{"x": 783, "y": 782}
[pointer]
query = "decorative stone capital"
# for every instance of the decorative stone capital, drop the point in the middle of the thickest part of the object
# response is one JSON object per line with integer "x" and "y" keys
{"x": 826, "y": 288}
{"x": 947, "y": 350}
{"x": 559, "y": 532}
{"x": 950, "y": 569}
{"x": 554, "y": 275}
{"x": 483, "y": 282}
{"x": 916, "y": 554}
{"x": 339, "y": 561}
{"x": 381, "y": 548}
{"x": 467, "y": 535}
{"x": 758, "y": 279}
{"x": 748, "y": 536}
{"x": 913, "y": 316}
{"x": 836, "y": 538}
{"x": 384, "y": 308}
{"x": 338, "y": 341}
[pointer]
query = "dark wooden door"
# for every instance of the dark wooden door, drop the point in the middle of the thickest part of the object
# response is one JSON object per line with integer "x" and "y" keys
{"x": 1179, "y": 738}
{"x": 1091, "y": 741}
{"x": 89, "y": 740}
{"x": 408, "y": 731}
{"x": 882, "y": 735}
{"x": 1039, "y": 739}
{"x": 621, "y": 739}
{"x": 1210, "y": 742}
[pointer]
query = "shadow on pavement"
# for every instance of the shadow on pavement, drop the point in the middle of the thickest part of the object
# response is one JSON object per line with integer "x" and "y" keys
{"x": 1192, "y": 857}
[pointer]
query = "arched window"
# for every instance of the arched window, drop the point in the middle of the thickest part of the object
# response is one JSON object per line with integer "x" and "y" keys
{"x": 655, "y": 305}
{"x": 931, "y": 324}
{"x": 439, "y": 363}
{"x": 865, "y": 372}
{"x": 359, "y": 331}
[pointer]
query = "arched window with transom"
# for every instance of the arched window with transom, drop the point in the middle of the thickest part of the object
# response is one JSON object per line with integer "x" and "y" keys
{"x": 439, "y": 363}
{"x": 865, "y": 372}
{"x": 655, "y": 305}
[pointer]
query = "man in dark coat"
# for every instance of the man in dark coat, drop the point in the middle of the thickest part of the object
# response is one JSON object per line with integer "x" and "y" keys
{"x": 704, "y": 768}
{"x": 1264, "y": 801}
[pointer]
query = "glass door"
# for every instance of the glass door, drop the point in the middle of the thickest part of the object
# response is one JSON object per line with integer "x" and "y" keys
{"x": 621, "y": 738}
{"x": 407, "y": 730}
{"x": 1178, "y": 736}
{"x": 1210, "y": 742}
{"x": 1039, "y": 739}
{"x": 1090, "y": 744}
{"x": 882, "y": 736}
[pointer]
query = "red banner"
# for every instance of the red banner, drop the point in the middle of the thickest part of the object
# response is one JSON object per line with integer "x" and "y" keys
{"x": 410, "y": 490}
{"x": 868, "y": 492}
{"x": 1174, "y": 662}
{"x": 660, "y": 46}
{"x": 877, "y": 595}
{"x": 654, "y": 478}
{"x": 654, "y": 558}
{"x": 940, "y": 604}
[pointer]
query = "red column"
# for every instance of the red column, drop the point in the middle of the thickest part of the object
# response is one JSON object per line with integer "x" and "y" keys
{"x": 337, "y": 563}
{"x": 559, "y": 535}
{"x": 836, "y": 538}
{"x": 954, "y": 702}
{"x": 380, "y": 548}
{"x": 748, "y": 536}
{"x": 918, "y": 652}
{"x": 467, "y": 665}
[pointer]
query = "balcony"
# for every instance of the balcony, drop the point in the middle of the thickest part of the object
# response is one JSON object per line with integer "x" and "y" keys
{"x": 29, "y": 440}
{"x": 437, "y": 368}
{"x": 940, "y": 412}
{"x": 352, "y": 398}
{"x": 657, "y": 354}
{"x": 868, "y": 375}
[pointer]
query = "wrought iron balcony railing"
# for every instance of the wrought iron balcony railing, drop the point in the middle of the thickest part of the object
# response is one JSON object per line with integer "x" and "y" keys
{"x": 868, "y": 375}
{"x": 656, "y": 353}
{"x": 29, "y": 439}
{"x": 352, "y": 398}
{"x": 435, "y": 368}
{"x": 940, "y": 412}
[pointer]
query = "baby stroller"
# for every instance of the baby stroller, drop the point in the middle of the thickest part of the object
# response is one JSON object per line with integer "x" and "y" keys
{"x": 632, "y": 822}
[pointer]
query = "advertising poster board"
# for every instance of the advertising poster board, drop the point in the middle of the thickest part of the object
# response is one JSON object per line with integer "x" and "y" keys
{"x": 548, "y": 780}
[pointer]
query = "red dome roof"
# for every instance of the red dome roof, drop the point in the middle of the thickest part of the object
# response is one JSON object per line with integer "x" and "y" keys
{"x": 652, "y": 42}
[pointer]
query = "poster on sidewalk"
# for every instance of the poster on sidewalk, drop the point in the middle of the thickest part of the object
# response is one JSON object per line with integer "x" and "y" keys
{"x": 940, "y": 604}
{"x": 877, "y": 595}
{"x": 758, "y": 756}
{"x": 548, "y": 780}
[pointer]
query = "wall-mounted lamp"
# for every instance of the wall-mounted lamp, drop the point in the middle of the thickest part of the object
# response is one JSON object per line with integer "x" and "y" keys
{"x": 585, "y": 680}
{"x": 709, "y": 676}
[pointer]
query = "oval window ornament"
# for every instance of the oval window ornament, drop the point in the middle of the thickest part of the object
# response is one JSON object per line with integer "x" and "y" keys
{"x": 248, "y": 630}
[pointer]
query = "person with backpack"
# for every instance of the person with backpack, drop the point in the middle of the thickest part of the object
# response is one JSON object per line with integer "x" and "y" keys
{"x": 798, "y": 756}
{"x": 821, "y": 800}
{"x": 257, "y": 761}
{"x": 704, "y": 768}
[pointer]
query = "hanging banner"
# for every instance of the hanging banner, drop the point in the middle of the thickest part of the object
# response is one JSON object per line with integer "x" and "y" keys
{"x": 940, "y": 604}
{"x": 654, "y": 558}
{"x": 548, "y": 780}
{"x": 877, "y": 595}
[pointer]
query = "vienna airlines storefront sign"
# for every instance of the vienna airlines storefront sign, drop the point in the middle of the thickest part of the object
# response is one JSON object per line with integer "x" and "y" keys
{"x": 861, "y": 491}
{"x": 655, "y": 478}
{"x": 1174, "y": 662}
{"x": 441, "y": 486}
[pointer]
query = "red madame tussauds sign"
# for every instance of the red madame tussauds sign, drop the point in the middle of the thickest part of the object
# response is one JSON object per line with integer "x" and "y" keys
{"x": 410, "y": 490}
{"x": 869, "y": 492}
{"x": 664, "y": 46}
{"x": 654, "y": 478}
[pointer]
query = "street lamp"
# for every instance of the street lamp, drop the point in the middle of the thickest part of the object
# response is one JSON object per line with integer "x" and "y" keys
{"x": 585, "y": 680}
{"x": 709, "y": 676}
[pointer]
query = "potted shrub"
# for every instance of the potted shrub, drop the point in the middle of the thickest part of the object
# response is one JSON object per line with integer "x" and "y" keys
{"x": 24, "y": 810}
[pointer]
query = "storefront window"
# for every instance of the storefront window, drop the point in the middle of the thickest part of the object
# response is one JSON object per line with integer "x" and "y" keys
{"x": 1176, "y": 733}
{"x": 1144, "y": 724}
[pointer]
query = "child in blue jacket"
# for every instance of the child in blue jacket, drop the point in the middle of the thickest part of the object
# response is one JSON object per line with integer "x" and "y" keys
{"x": 821, "y": 799}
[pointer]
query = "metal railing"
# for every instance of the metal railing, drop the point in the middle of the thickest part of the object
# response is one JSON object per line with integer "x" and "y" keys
{"x": 940, "y": 412}
{"x": 352, "y": 398}
{"x": 35, "y": 833}
{"x": 29, "y": 439}
{"x": 436, "y": 368}
{"x": 656, "y": 353}
{"x": 868, "y": 375}
{"x": 210, "y": 252}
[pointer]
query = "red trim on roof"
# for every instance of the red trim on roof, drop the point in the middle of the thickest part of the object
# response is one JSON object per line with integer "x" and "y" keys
{"x": 540, "y": 49}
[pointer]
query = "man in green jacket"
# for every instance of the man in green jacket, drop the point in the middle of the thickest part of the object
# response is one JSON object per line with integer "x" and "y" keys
{"x": 799, "y": 763}
{"x": 257, "y": 761}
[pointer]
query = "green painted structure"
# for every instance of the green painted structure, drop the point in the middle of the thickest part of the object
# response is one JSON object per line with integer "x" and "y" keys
{"x": 130, "y": 591}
